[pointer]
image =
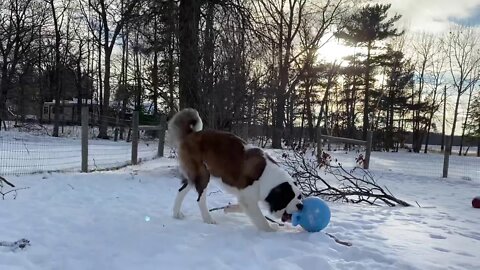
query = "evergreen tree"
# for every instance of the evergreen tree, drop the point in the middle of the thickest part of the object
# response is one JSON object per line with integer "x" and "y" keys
{"x": 365, "y": 28}
{"x": 394, "y": 101}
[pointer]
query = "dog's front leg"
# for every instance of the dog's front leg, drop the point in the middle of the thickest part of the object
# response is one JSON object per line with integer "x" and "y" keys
{"x": 202, "y": 204}
{"x": 256, "y": 216}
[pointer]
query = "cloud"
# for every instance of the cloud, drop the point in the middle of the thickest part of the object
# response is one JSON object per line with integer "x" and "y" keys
{"x": 435, "y": 15}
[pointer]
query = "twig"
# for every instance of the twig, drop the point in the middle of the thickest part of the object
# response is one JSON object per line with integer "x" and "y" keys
{"x": 271, "y": 220}
{"x": 218, "y": 208}
{"x": 5, "y": 180}
{"x": 348, "y": 244}
{"x": 214, "y": 192}
{"x": 13, "y": 190}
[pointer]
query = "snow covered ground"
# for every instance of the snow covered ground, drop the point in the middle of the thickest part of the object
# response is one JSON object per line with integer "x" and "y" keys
{"x": 122, "y": 220}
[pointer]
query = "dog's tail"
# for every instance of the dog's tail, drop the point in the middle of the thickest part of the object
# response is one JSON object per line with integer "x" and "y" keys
{"x": 183, "y": 123}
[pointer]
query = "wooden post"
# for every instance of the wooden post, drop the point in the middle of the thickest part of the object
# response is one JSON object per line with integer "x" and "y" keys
{"x": 319, "y": 143}
{"x": 368, "y": 150}
{"x": 161, "y": 134}
{"x": 84, "y": 139}
{"x": 117, "y": 121}
{"x": 446, "y": 156}
{"x": 135, "y": 120}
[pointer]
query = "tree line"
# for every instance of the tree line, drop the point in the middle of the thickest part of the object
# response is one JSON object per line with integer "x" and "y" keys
{"x": 253, "y": 67}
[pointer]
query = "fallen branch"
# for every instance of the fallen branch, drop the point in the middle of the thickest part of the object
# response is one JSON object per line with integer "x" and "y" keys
{"x": 5, "y": 180}
{"x": 335, "y": 183}
{"x": 14, "y": 191}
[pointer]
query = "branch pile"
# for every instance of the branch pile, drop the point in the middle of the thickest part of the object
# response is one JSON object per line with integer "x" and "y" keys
{"x": 328, "y": 179}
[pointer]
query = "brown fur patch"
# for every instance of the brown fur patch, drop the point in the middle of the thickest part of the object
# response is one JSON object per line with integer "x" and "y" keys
{"x": 220, "y": 154}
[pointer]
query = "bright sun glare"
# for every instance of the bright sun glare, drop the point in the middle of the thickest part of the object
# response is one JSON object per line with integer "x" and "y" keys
{"x": 334, "y": 51}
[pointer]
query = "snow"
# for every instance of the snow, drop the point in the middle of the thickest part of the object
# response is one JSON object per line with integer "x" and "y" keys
{"x": 122, "y": 220}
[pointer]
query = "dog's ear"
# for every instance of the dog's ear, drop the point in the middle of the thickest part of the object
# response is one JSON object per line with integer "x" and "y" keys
{"x": 280, "y": 196}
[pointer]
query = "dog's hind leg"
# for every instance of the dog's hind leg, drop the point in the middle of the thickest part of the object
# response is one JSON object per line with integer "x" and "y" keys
{"x": 177, "y": 213}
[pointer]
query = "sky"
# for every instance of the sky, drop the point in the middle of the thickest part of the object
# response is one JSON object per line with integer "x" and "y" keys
{"x": 431, "y": 16}
{"x": 435, "y": 15}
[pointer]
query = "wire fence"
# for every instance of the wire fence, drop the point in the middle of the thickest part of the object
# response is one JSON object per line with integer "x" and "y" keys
{"x": 27, "y": 148}
{"x": 405, "y": 162}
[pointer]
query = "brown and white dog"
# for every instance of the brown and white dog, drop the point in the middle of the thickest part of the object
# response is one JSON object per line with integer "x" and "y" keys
{"x": 249, "y": 173}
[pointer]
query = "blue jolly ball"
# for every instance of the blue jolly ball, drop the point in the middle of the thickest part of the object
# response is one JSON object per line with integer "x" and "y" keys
{"x": 314, "y": 216}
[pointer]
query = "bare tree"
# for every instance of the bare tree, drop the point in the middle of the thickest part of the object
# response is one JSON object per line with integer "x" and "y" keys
{"x": 17, "y": 21}
{"x": 424, "y": 50}
{"x": 463, "y": 49}
{"x": 430, "y": 69}
{"x": 434, "y": 97}
{"x": 279, "y": 24}
{"x": 58, "y": 17}
{"x": 467, "y": 118}
{"x": 113, "y": 16}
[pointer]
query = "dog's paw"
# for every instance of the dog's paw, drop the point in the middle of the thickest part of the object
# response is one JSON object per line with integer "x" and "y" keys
{"x": 209, "y": 220}
{"x": 178, "y": 215}
{"x": 274, "y": 227}
{"x": 270, "y": 228}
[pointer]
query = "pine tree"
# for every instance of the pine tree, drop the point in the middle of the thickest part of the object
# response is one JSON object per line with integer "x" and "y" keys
{"x": 365, "y": 28}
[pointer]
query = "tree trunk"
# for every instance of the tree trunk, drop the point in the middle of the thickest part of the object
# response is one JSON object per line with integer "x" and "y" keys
{"x": 464, "y": 127}
{"x": 106, "y": 94}
{"x": 78, "y": 82}
{"x": 138, "y": 77}
{"x": 309, "y": 114}
{"x": 428, "y": 131}
{"x": 452, "y": 134}
{"x": 478, "y": 142}
{"x": 4, "y": 85}
{"x": 444, "y": 116}
{"x": 367, "y": 92}
{"x": 56, "y": 74}
{"x": 155, "y": 71}
{"x": 189, "y": 90}
{"x": 171, "y": 65}
{"x": 208, "y": 57}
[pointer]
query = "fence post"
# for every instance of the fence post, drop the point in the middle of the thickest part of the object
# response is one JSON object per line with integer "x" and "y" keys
{"x": 85, "y": 139}
{"x": 161, "y": 134}
{"x": 117, "y": 121}
{"x": 319, "y": 143}
{"x": 135, "y": 120}
{"x": 368, "y": 150}
{"x": 446, "y": 156}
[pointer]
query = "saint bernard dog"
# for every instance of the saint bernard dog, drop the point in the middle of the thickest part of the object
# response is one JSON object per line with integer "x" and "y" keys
{"x": 246, "y": 172}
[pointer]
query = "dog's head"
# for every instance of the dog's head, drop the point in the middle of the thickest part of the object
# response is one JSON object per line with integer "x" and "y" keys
{"x": 285, "y": 199}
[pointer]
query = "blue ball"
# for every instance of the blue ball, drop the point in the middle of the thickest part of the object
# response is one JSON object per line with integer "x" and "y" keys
{"x": 314, "y": 216}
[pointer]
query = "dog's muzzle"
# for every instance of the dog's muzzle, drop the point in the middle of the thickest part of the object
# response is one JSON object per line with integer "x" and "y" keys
{"x": 286, "y": 217}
